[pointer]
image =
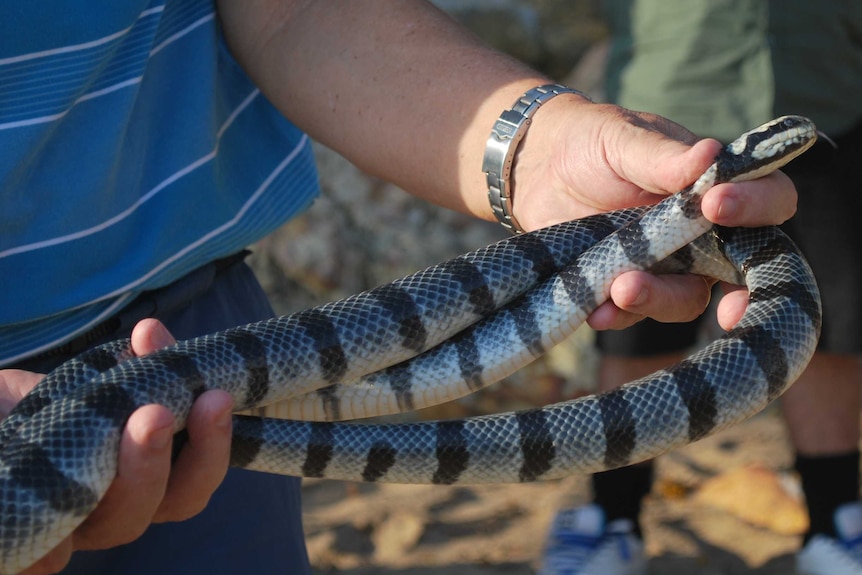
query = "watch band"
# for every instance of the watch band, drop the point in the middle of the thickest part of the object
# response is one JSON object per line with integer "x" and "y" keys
{"x": 502, "y": 144}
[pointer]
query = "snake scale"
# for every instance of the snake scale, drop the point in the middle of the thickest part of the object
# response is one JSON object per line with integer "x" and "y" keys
{"x": 428, "y": 337}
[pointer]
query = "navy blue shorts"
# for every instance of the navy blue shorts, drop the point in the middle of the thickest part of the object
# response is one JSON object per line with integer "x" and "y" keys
{"x": 825, "y": 229}
{"x": 253, "y": 522}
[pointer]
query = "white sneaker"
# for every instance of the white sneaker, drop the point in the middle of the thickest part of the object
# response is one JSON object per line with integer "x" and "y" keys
{"x": 581, "y": 543}
{"x": 842, "y": 556}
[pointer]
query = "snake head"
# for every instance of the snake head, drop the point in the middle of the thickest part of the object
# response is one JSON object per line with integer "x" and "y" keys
{"x": 765, "y": 149}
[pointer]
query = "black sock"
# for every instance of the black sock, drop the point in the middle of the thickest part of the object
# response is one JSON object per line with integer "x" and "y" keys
{"x": 620, "y": 492}
{"x": 828, "y": 482}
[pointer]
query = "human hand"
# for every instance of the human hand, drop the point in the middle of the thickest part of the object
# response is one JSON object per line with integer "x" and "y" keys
{"x": 579, "y": 159}
{"x": 147, "y": 489}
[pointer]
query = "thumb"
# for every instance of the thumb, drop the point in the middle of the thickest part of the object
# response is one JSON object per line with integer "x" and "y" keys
{"x": 661, "y": 165}
{"x": 150, "y": 335}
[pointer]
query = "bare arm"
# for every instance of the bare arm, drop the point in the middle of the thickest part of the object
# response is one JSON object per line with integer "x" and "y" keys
{"x": 393, "y": 85}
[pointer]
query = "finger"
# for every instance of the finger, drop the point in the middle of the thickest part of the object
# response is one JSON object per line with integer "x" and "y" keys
{"x": 770, "y": 200}
{"x": 15, "y": 383}
{"x": 646, "y": 156}
{"x": 609, "y": 316}
{"x": 665, "y": 298}
{"x": 142, "y": 477}
{"x": 149, "y": 335}
{"x": 203, "y": 461}
{"x": 54, "y": 561}
{"x": 731, "y": 307}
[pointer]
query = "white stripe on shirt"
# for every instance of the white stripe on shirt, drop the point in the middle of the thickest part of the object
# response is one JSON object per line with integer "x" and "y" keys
{"x": 79, "y": 47}
{"x": 143, "y": 199}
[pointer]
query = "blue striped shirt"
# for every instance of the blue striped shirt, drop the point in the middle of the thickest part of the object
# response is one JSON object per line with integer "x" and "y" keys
{"x": 133, "y": 149}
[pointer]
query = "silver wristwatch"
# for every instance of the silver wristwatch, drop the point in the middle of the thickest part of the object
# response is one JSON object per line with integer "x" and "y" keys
{"x": 507, "y": 132}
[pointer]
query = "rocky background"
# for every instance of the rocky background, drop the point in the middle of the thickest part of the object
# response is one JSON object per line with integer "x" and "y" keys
{"x": 726, "y": 505}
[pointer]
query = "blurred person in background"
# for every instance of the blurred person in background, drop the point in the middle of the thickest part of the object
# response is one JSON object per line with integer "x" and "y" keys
{"x": 720, "y": 68}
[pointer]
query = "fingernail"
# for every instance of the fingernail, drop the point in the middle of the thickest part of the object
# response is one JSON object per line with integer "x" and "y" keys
{"x": 641, "y": 298}
{"x": 161, "y": 438}
{"x": 161, "y": 337}
{"x": 224, "y": 419}
{"x": 728, "y": 208}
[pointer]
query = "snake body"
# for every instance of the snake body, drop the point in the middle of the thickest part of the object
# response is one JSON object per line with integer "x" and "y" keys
{"x": 461, "y": 324}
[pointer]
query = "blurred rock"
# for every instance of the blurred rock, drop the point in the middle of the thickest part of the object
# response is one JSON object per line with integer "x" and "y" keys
{"x": 758, "y": 496}
{"x": 551, "y": 35}
{"x": 397, "y": 534}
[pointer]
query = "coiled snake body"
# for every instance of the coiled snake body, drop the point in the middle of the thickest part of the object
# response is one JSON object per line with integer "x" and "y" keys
{"x": 465, "y": 323}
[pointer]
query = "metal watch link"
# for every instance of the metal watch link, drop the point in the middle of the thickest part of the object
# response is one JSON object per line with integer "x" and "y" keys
{"x": 502, "y": 144}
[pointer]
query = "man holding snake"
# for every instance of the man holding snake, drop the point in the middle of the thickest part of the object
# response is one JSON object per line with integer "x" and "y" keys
{"x": 145, "y": 144}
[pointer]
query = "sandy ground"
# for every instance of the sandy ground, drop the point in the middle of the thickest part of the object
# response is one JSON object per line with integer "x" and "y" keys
{"x": 725, "y": 505}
